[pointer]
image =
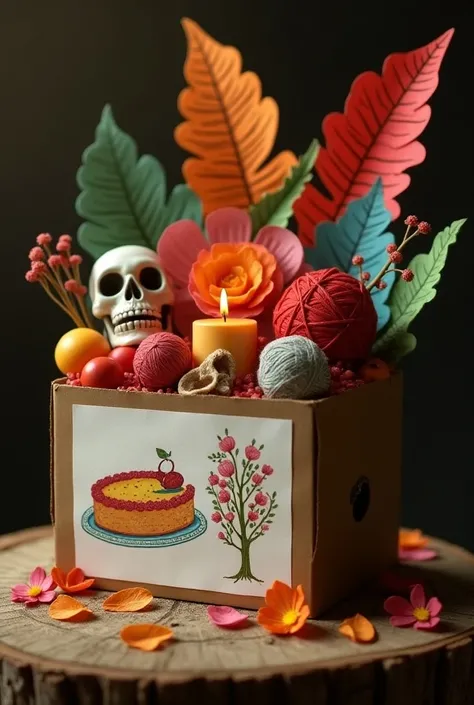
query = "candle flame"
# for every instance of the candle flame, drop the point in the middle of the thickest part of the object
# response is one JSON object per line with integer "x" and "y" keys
{"x": 224, "y": 304}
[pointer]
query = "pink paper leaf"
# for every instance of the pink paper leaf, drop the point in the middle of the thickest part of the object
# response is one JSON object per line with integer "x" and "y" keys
{"x": 226, "y": 616}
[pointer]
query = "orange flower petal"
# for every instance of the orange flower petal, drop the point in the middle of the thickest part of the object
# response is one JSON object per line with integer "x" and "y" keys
{"x": 271, "y": 620}
{"x": 67, "y": 608}
{"x": 358, "y": 628}
{"x": 301, "y": 621}
{"x": 280, "y": 597}
{"x": 73, "y": 581}
{"x": 146, "y": 637}
{"x": 59, "y": 577}
{"x": 80, "y": 587}
{"x": 411, "y": 539}
{"x": 128, "y": 600}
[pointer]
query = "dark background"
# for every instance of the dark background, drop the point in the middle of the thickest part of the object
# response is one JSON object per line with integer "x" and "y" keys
{"x": 60, "y": 62}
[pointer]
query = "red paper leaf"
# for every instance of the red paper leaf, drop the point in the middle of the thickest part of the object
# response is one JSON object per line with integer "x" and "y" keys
{"x": 375, "y": 136}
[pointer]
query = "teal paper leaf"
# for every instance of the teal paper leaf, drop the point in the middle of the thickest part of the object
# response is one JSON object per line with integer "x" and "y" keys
{"x": 123, "y": 196}
{"x": 360, "y": 231}
{"x": 277, "y": 208}
{"x": 408, "y": 298}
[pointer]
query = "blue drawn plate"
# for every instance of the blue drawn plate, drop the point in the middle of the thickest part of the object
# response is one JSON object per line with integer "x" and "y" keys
{"x": 197, "y": 528}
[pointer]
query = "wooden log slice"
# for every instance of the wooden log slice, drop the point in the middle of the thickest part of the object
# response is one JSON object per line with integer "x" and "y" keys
{"x": 45, "y": 662}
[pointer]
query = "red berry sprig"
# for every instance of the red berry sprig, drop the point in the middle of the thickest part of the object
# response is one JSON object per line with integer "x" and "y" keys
{"x": 395, "y": 255}
{"x": 58, "y": 273}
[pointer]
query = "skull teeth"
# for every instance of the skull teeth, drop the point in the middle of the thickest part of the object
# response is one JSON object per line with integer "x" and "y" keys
{"x": 133, "y": 313}
{"x": 136, "y": 325}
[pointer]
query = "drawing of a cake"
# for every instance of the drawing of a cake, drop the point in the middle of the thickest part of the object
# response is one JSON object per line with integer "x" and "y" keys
{"x": 144, "y": 502}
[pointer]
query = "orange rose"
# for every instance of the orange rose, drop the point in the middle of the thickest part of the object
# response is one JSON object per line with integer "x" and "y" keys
{"x": 248, "y": 272}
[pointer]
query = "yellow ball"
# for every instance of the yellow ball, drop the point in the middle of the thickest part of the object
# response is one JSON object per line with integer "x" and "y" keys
{"x": 77, "y": 347}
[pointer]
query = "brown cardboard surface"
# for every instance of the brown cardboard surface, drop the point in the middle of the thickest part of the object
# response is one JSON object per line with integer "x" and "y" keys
{"x": 301, "y": 413}
{"x": 359, "y": 434}
{"x": 335, "y": 442}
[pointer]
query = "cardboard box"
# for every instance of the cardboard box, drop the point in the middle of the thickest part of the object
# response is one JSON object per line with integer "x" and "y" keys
{"x": 331, "y": 480}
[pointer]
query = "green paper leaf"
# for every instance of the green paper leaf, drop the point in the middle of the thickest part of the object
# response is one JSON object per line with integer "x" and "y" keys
{"x": 123, "y": 196}
{"x": 408, "y": 298}
{"x": 277, "y": 208}
{"x": 163, "y": 454}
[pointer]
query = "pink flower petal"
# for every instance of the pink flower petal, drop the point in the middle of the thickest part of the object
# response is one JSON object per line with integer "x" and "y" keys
{"x": 48, "y": 583}
{"x": 402, "y": 621}
{"x": 417, "y": 596}
{"x": 398, "y": 606}
{"x": 37, "y": 577}
{"x": 430, "y": 624}
{"x": 434, "y": 607}
{"x": 225, "y": 616}
{"x": 47, "y": 596}
{"x": 20, "y": 591}
{"x": 416, "y": 554}
{"x": 285, "y": 247}
{"x": 229, "y": 225}
{"x": 31, "y": 601}
{"x": 178, "y": 248}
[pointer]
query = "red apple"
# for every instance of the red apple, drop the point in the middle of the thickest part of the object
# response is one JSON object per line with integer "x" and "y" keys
{"x": 103, "y": 372}
{"x": 124, "y": 356}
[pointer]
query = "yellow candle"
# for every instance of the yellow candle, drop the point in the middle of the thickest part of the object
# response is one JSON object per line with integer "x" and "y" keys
{"x": 237, "y": 335}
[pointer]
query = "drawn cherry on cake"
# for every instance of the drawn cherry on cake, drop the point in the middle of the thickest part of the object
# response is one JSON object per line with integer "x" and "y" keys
{"x": 170, "y": 480}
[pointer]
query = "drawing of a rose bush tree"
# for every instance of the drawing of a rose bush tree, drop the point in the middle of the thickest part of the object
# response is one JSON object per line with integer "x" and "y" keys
{"x": 242, "y": 506}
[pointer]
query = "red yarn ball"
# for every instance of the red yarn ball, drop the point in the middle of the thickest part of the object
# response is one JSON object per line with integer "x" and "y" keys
{"x": 331, "y": 308}
{"x": 161, "y": 360}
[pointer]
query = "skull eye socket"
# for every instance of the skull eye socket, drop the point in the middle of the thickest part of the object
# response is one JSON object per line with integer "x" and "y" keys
{"x": 111, "y": 284}
{"x": 151, "y": 278}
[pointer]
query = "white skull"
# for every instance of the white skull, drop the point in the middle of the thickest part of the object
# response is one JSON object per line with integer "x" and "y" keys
{"x": 131, "y": 294}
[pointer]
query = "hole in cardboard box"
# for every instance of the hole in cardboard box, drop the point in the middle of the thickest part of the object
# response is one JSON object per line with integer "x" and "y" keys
{"x": 360, "y": 498}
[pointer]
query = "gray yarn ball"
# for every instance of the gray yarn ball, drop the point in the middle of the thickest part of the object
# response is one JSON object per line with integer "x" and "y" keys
{"x": 293, "y": 368}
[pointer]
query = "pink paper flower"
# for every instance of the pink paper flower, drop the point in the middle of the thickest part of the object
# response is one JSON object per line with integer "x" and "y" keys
{"x": 40, "y": 588}
{"x": 221, "y": 535}
{"x": 227, "y": 444}
{"x": 415, "y": 612}
{"x": 267, "y": 469}
{"x": 226, "y": 468}
{"x": 265, "y": 527}
{"x": 182, "y": 242}
{"x": 261, "y": 499}
{"x": 225, "y": 616}
{"x": 257, "y": 479}
{"x": 223, "y": 484}
{"x": 252, "y": 453}
{"x": 224, "y": 496}
{"x": 213, "y": 480}
{"x": 253, "y": 516}
{"x": 229, "y": 516}
{"x": 216, "y": 517}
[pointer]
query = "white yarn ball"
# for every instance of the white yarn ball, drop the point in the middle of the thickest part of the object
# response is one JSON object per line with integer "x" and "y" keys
{"x": 293, "y": 368}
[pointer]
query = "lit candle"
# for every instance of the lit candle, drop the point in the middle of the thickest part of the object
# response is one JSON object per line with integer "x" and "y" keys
{"x": 237, "y": 335}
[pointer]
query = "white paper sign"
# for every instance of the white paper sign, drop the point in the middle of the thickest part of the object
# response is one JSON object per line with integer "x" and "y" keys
{"x": 238, "y": 534}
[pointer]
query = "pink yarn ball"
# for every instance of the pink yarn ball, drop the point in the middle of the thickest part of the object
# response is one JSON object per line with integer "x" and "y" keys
{"x": 161, "y": 360}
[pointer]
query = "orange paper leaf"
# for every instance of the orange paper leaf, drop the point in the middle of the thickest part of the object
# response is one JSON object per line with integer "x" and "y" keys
{"x": 358, "y": 628}
{"x": 146, "y": 637}
{"x": 74, "y": 581}
{"x": 128, "y": 600}
{"x": 66, "y": 608}
{"x": 229, "y": 127}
